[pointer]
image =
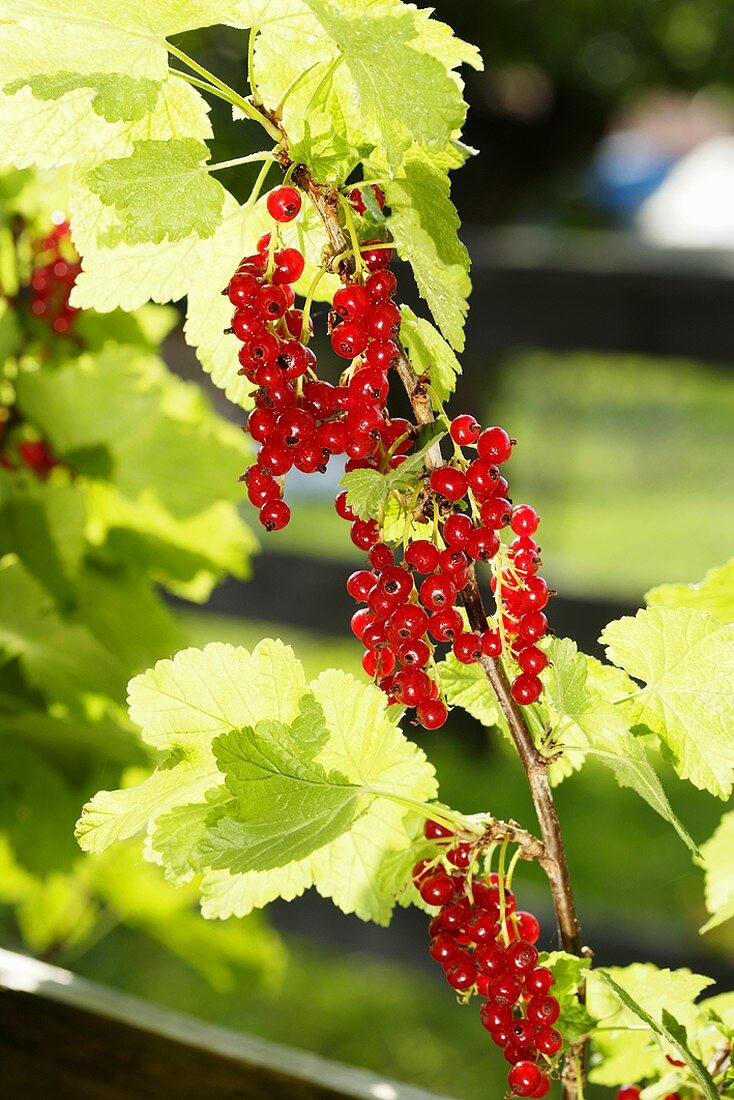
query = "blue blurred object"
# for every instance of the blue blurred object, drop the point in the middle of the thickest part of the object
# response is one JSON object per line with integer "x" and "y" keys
{"x": 627, "y": 168}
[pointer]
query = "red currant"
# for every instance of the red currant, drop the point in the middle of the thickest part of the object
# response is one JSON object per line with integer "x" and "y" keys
{"x": 283, "y": 203}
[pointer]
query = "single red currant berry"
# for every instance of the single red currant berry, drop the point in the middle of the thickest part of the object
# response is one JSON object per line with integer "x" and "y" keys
{"x": 443, "y": 948}
{"x": 527, "y": 927}
{"x": 289, "y": 265}
{"x": 368, "y": 385}
{"x": 342, "y": 508}
{"x": 548, "y": 1041}
{"x": 377, "y": 257}
{"x": 383, "y": 321}
{"x": 359, "y": 446}
{"x": 412, "y": 686}
{"x": 464, "y": 430}
{"x": 422, "y": 555}
{"x": 496, "y": 513}
{"x": 523, "y": 1034}
{"x": 539, "y": 980}
{"x": 505, "y": 989}
{"x": 352, "y": 302}
{"x": 526, "y": 689}
{"x": 492, "y": 643}
{"x": 525, "y": 520}
{"x": 378, "y": 663}
{"x": 360, "y": 584}
{"x": 359, "y": 621}
{"x": 283, "y": 203}
{"x": 274, "y": 515}
{"x": 482, "y": 544}
{"x": 333, "y": 436}
{"x": 365, "y": 533}
{"x": 521, "y": 957}
{"x": 494, "y": 446}
{"x": 407, "y": 623}
{"x": 445, "y": 625}
{"x": 261, "y": 424}
{"x": 524, "y": 1078}
{"x": 381, "y": 556}
{"x": 295, "y": 426}
{"x": 396, "y": 583}
{"x": 448, "y": 482}
{"x": 461, "y": 973}
{"x": 533, "y": 626}
{"x": 275, "y": 458}
{"x": 414, "y": 654}
{"x": 263, "y": 348}
{"x": 349, "y": 339}
{"x": 434, "y": 830}
{"x": 532, "y": 660}
{"x": 432, "y": 714}
{"x": 457, "y": 529}
{"x": 452, "y": 918}
{"x": 292, "y": 358}
{"x": 381, "y": 285}
{"x": 437, "y": 889}
{"x": 536, "y": 593}
{"x": 271, "y": 302}
{"x": 490, "y": 959}
{"x": 460, "y": 856}
{"x": 242, "y": 289}
{"x": 437, "y": 592}
{"x": 382, "y": 354}
{"x": 468, "y": 648}
{"x": 629, "y": 1092}
{"x": 543, "y": 1011}
{"x": 483, "y": 480}
{"x": 495, "y": 1017}
{"x": 481, "y": 927}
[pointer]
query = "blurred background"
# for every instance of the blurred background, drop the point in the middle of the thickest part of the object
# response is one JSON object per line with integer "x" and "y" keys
{"x": 599, "y": 213}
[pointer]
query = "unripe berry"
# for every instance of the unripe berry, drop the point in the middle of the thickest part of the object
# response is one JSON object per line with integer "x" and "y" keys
{"x": 283, "y": 203}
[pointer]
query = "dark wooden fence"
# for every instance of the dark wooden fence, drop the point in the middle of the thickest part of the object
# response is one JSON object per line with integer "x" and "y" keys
{"x": 67, "y": 1038}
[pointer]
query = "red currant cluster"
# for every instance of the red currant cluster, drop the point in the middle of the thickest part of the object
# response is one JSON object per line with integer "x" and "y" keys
{"x": 488, "y": 948}
{"x": 301, "y": 420}
{"x": 53, "y": 279}
{"x": 520, "y": 594}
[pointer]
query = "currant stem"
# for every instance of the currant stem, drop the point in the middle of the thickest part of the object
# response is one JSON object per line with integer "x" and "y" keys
{"x": 225, "y": 92}
{"x": 251, "y": 158}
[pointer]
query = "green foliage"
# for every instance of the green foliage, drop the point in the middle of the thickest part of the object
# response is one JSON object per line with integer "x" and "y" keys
{"x": 270, "y": 786}
{"x": 665, "y": 1002}
{"x": 145, "y": 495}
{"x": 715, "y": 594}
{"x": 719, "y": 868}
{"x": 466, "y": 687}
{"x": 429, "y": 352}
{"x": 369, "y": 491}
{"x": 685, "y": 659}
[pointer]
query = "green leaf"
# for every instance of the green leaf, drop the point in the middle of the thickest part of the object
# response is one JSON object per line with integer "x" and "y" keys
{"x": 43, "y": 523}
{"x": 37, "y": 809}
{"x": 225, "y": 895}
{"x": 719, "y": 868}
{"x": 618, "y": 998}
{"x": 201, "y": 693}
{"x": 466, "y": 686}
{"x": 368, "y": 491}
{"x": 128, "y": 38}
{"x": 429, "y": 352}
{"x": 662, "y": 1023}
{"x": 589, "y": 725}
{"x": 685, "y": 658}
{"x": 117, "y": 98}
{"x": 48, "y": 133}
{"x": 287, "y": 804}
{"x": 424, "y": 224}
{"x": 349, "y": 55}
{"x": 58, "y": 657}
{"x": 715, "y": 594}
{"x": 162, "y": 191}
{"x": 117, "y": 815}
